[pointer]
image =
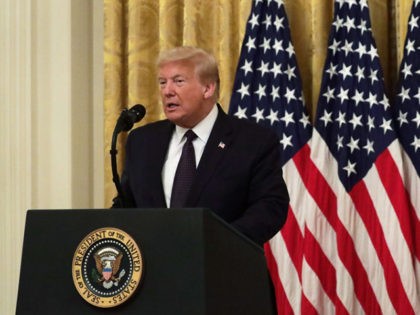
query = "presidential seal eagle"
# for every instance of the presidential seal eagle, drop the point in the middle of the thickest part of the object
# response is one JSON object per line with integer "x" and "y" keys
{"x": 108, "y": 261}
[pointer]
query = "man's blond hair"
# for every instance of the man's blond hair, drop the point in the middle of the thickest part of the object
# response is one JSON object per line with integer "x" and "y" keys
{"x": 205, "y": 64}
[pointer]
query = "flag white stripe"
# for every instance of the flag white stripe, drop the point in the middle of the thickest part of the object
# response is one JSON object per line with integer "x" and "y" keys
{"x": 288, "y": 274}
{"x": 314, "y": 292}
{"x": 351, "y": 220}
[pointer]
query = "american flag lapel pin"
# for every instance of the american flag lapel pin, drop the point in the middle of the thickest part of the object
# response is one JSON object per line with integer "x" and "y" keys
{"x": 221, "y": 145}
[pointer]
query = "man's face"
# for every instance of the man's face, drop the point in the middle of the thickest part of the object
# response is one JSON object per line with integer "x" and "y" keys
{"x": 186, "y": 101}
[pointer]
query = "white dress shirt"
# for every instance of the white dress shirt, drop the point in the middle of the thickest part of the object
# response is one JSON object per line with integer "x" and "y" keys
{"x": 202, "y": 130}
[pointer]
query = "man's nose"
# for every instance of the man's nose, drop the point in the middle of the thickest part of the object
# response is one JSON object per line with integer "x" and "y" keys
{"x": 168, "y": 89}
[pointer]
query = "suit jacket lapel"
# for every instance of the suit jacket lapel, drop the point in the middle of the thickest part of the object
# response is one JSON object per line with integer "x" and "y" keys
{"x": 158, "y": 150}
{"x": 214, "y": 151}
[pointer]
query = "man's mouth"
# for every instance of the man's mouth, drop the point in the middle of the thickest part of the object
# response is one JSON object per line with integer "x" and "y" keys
{"x": 172, "y": 105}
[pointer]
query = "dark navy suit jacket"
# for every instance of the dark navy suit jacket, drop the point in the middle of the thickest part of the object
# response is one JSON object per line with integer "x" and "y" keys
{"x": 239, "y": 176}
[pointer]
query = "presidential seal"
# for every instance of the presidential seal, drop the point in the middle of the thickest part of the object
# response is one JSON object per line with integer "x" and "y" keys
{"x": 107, "y": 267}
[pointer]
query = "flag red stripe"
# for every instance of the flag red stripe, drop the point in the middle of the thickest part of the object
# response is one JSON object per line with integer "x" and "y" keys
{"x": 364, "y": 205}
{"x": 307, "y": 307}
{"x": 397, "y": 193}
{"x": 320, "y": 263}
{"x": 282, "y": 302}
{"x": 325, "y": 197}
{"x": 293, "y": 240}
{"x": 312, "y": 178}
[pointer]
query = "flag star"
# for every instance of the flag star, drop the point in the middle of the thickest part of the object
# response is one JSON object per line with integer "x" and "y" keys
{"x": 304, "y": 120}
{"x": 346, "y": 71}
{"x": 417, "y": 119}
{"x": 371, "y": 123}
{"x": 410, "y": 47}
{"x": 288, "y": 118}
{"x": 413, "y": 22}
{"x": 286, "y": 141}
{"x": 290, "y": 50}
{"x": 360, "y": 74}
{"x": 254, "y": 20}
{"x": 363, "y": 4}
{"x": 341, "y": 119}
{"x": 404, "y": 94}
{"x": 329, "y": 94}
{"x": 372, "y": 99}
{"x": 353, "y": 144}
{"x": 373, "y": 76}
{"x": 278, "y": 45}
{"x": 273, "y": 117}
{"x": 361, "y": 50}
{"x": 349, "y": 24}
{"x": 326, "y": 118}
{"x": 339, "y": 142}
{"x": 338, "y": 23}
{"x": 356, "y": 121}
{"x": 334, "y": 46}
{"x": 250, "y": 44}
{"x": 416, "y": 143}
{"x": 275, "y": 93}
{"x": 347, "y": 47}
{"x": 343, "y": 95}
{"x": 332, "y": 70}
{"x": 241, "y": 113}
{"x": 259, "y": 114}
{"x": 278, "y": 23}
{"x": 350, "y": 168}
{"x": 362, "y": 26}
{"x": 369, "y": 147}
{"x": 276, "y": 69}
{"x": 385, "y": 102}
{"x": 267, "y": 21}
{"x": 261, "y": 91}
{"x": 266, "y": 44}
{"x": 418, "y": 95}
{"x": 263, "y": 68}
{"x": 373, "y": 52}
{"x": 358, "y": 97}
{"x": 247, "y": 67}
{"x": 244, "y": 90}
{"x": 290, "y": 72}
{"x": 406, "y": 70}
{"x": 290, "y": 94}
{"x": 386, "y": 125}
{"x": 402, "y": 118}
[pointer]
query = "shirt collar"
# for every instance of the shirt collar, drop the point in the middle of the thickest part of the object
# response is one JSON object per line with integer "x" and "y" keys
{"x": 202, "y": 129}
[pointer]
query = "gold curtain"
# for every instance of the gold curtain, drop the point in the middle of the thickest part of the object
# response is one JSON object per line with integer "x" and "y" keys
{"x": 136, "y": 30}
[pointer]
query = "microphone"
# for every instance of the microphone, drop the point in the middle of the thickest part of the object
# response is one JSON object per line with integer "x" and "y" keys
{"x": 129, "y": 117}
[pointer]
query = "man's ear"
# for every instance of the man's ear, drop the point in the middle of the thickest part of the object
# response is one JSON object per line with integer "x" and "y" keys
{"x": 209, "y": 90}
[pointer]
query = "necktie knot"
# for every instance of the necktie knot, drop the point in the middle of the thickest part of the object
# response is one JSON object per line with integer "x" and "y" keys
{"x": 190, "y": 135}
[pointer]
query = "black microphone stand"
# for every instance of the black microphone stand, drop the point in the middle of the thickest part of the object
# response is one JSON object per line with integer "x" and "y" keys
{"x": 124, "y": 123}
{"x": 117, "y": 202}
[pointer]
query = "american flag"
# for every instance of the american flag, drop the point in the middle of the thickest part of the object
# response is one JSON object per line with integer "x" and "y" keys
{"x": 268, "y": 91}
{"x": 362, "y": 198}
{"x": 407, "y": 121}
{"x": 349, "y": 243}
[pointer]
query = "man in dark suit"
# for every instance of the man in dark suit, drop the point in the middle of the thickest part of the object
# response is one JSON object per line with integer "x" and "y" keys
{"x": 237, "y": 172}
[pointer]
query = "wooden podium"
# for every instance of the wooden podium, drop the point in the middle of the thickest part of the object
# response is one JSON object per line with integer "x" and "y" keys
{"x": 194, "y": 263}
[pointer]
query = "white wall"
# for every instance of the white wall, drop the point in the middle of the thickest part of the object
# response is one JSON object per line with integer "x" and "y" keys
{"x": 51, "y": 118}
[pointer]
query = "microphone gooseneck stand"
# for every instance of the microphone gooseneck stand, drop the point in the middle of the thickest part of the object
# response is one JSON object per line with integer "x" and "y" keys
{"x": 124, "y": 123}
